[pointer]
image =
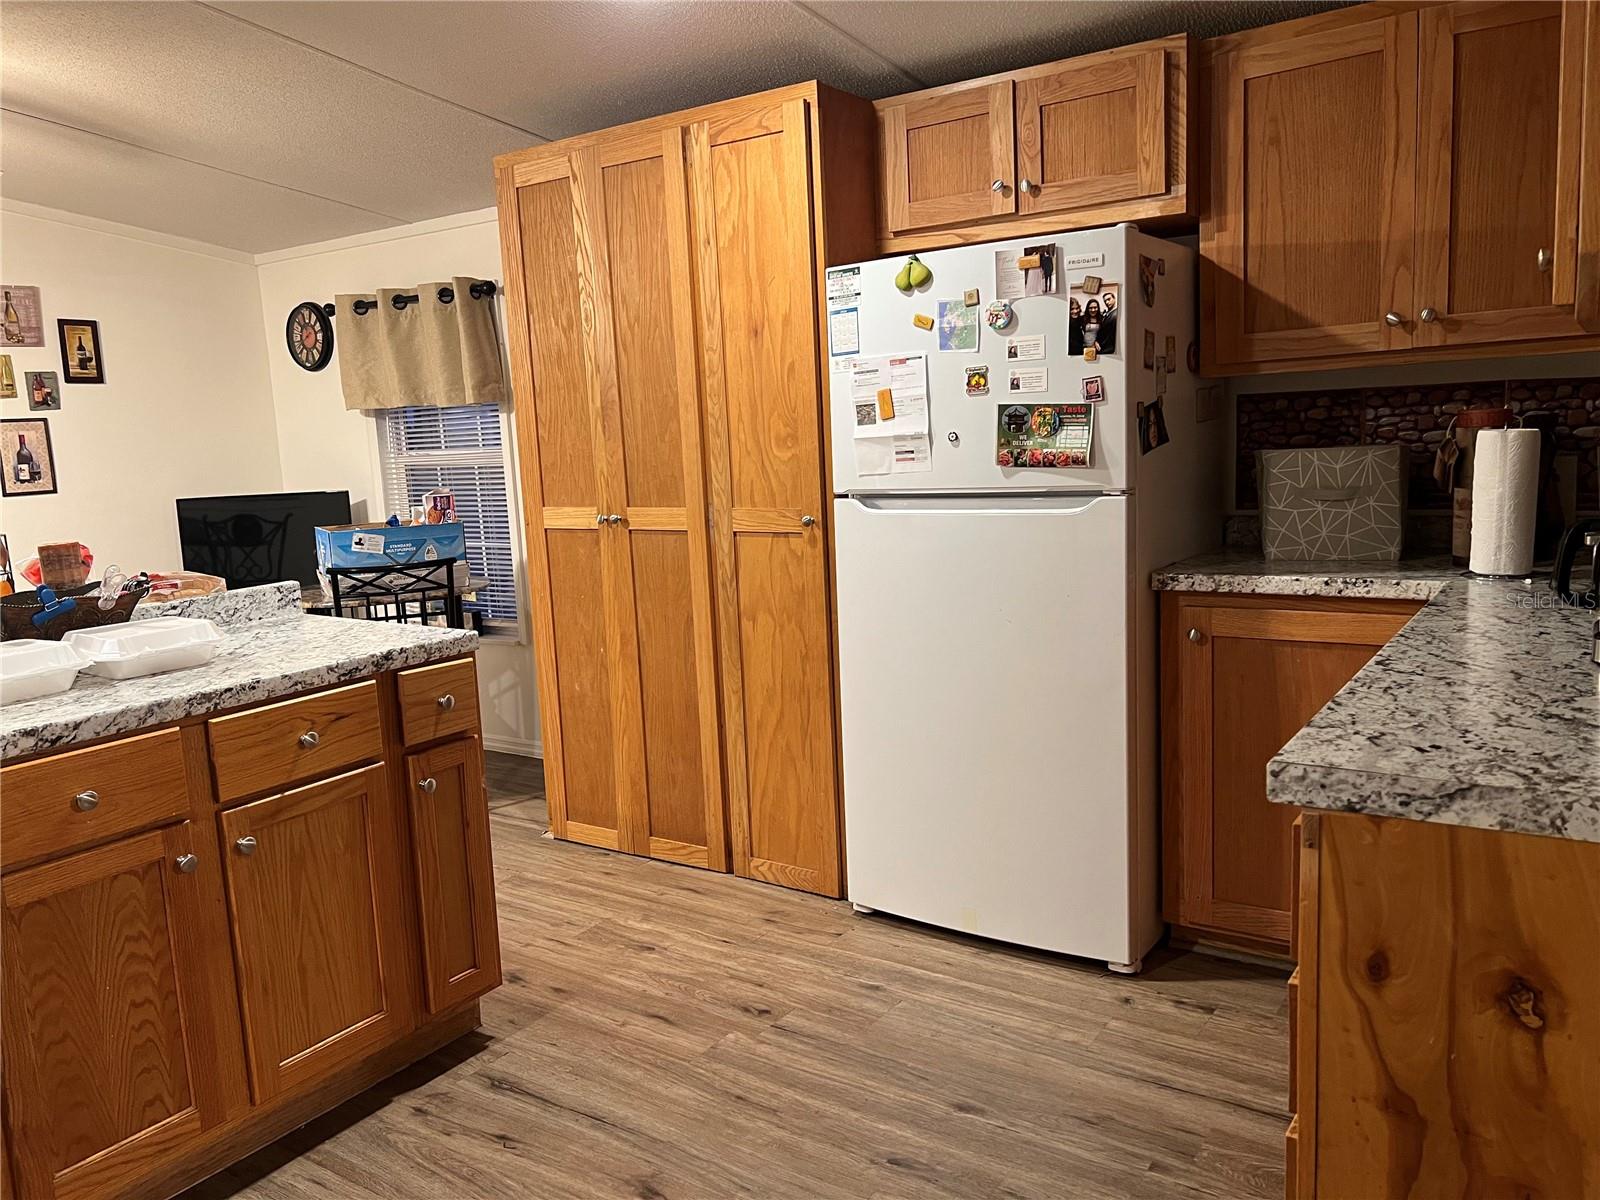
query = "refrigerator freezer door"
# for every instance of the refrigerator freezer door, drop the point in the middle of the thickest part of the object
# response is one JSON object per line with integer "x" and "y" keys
{"x": 963, "y": 427}
{"x": 984, "y": 652}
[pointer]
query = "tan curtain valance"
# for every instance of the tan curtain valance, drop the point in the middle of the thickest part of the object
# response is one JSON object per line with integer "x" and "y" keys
{"x": 428, "y": 352}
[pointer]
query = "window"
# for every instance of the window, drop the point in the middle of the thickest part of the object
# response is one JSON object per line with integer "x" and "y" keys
{"x": 462, "y": 449}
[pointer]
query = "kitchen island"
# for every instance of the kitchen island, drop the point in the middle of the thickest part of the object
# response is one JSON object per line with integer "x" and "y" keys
{"x": 235, "y": 895}
{"x": 1445, "y": 1010}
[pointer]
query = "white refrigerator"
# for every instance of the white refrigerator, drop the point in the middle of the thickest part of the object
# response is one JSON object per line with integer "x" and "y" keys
{"x": 997, "y": 632}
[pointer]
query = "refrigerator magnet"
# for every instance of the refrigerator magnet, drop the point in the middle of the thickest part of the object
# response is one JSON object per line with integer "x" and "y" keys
{"x": 977, "y": 381}
{"x": 1149, "y": 349}
{"x": 1091, "y": 283}
{"x": 922, "y": 321}
{"x": 1161, "y": 368}
{"x": 1172, "y": 354}
{"x": 999, "y": 315}
{"x": 885, "y": 404}
{"x": 970, "y": 297}
{"x": 1094, "y": 389}
{"x": 1147, "y": 281}
{"x": 1025, "y": 349}
{"x": 1091, "y": 352}
{"x": 1026, "y": 380}
{"x": 1192, "y": 358}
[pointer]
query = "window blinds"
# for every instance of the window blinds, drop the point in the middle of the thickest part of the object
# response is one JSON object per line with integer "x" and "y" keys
{"x": 462, "y": 449}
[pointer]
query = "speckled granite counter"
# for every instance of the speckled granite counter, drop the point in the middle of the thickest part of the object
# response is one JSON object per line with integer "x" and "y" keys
{"x": 270, "y": 650}
{"x": 1482, "y": 711}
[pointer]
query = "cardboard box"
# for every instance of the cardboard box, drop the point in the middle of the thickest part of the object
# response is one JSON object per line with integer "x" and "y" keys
{"x": 1340, "y": 502}
{"x": 379, "y": 545}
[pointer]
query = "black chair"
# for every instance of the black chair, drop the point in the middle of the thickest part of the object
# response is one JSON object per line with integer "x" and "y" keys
{"x": 400, "y": 592}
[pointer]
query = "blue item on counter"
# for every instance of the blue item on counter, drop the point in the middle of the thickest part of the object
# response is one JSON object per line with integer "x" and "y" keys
{"x": 388, "y": 545}
{"x": 54, "y": 607}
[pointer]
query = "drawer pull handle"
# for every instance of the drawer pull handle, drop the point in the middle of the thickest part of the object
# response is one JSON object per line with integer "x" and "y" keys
{"x": 310, "y": 738}
{"x": 245, "y": 846}
{"x": 447, "y": 702}
{"x": 86, "y": 801}
{"x": 429, "y": 785}
{"x": 186, "y": 863}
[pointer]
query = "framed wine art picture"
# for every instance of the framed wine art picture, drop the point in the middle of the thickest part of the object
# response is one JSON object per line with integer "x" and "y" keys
{"x": 28, "y": 458}
{"x": 80, "y": 351}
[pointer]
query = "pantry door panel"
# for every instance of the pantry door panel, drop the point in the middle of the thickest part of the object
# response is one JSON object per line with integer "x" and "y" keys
{"x": 663, "y": 598}
{"x": 565, "y": 459}
{"x": 750, "y": 186}
{"x": 1497, "y": 241}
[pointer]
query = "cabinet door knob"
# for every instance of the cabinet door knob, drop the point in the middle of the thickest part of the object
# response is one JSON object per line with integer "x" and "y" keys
{"x": 615, "y": 518}
{"x": 1194, "y": 635}
{"x": 599, "y": 518}
{"x": 999, "y": 185}
{"x": 429, "y": 785}
{"x": 447, "y": 702}
{"x": 186, "y": 863}
{"x": 1393, "y": 318}
{"x": 86, "y": 801}
{"x": 1546, "y": 261}
{"x": 245, "y": 846}
{"x": 808, "y": 520}
{"x": 1429, "y": 315}
{"x": 310, "y": 738}
{"x": 1025, "y": 186}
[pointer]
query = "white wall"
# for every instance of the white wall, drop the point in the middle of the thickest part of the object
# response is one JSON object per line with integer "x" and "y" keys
{"x": 321, "y": 445}
{"x": 186, "y": 409}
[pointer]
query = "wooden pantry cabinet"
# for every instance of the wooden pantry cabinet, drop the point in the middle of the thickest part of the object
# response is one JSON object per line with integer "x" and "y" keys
{"x": 1240, "y": 675}
{"x": 663, "y": 303}
{"x": 1087, "y": 141}
{"x": 1396, "y": 182}
{"x": 217, "y": 930}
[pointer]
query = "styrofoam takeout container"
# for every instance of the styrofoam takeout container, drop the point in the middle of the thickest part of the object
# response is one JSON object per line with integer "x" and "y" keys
{"x": 32, "y": 668}
{"x": 147, "y": 647}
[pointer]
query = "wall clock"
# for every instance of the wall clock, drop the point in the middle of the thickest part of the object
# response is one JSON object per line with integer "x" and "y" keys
{"x": 310, "y": 335}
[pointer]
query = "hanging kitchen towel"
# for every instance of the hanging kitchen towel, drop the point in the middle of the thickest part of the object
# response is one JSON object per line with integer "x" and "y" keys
{"x": 426, "y": 353}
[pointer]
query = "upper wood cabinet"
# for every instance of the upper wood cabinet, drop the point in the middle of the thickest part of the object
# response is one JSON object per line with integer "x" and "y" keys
{"x": 1088, "y": 141}
{"x": 1240, "y": 676}
{"x": 949, "y": 158}
{"x": 113, "y": 1050}
{"x": 1092, "y": 132}
{"x": 1395, "y": 182}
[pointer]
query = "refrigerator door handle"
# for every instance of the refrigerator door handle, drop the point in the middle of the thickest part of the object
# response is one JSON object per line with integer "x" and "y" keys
{"x": 1011, "y": 504}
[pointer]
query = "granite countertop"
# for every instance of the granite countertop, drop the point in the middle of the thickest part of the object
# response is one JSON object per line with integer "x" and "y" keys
{"x": 269, "y": 650}
{"x": 1482, "y": 711}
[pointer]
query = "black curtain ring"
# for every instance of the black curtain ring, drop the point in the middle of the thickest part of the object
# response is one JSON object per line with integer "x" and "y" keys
{"x": 400, "y": 301}
{"x": 446, "y": 295}
{"x": 362, "y": 307}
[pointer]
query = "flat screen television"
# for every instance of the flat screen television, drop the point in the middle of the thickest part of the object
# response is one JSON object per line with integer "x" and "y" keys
{"x": 258, "y": 539}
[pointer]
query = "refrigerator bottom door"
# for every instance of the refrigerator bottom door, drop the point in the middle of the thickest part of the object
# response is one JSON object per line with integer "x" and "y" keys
{"x": 984, "y": 651}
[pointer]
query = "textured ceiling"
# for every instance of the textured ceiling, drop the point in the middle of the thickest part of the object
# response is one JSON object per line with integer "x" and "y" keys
{"x": 263, "y": 125}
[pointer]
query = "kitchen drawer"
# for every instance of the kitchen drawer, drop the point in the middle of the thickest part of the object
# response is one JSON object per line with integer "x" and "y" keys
{"x": 74, "y": 799}
{"x": 438, "y": 701}
{"x": 296, "y": 740}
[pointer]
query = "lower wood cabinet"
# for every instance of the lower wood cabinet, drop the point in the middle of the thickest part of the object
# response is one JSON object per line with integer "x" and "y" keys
{"x": 111, "y": 1047}
{"x": 188, "y": 976}
{"x": 315, "y": 896}
{"x": 1446, "y": 1032}
{"x": 454, "y": 873}
{"x": 1240, "y": 676}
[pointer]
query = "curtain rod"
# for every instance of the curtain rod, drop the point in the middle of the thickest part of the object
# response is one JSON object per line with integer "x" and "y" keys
{"x": 479, "y": 290}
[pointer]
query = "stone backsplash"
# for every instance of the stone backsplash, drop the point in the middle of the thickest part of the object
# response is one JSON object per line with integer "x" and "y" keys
{"x": 1417, "y": 417}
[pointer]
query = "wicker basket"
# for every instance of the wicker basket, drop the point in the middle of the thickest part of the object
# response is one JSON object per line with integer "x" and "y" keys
{"x": 17, "y": 612}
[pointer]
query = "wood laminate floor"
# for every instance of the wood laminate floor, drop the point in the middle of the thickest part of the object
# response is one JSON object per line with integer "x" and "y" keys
{"x": 670, "y": 1034}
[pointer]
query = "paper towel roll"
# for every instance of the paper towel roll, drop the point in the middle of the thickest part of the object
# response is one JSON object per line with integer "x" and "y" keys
{"x": 1505, "y": 501}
